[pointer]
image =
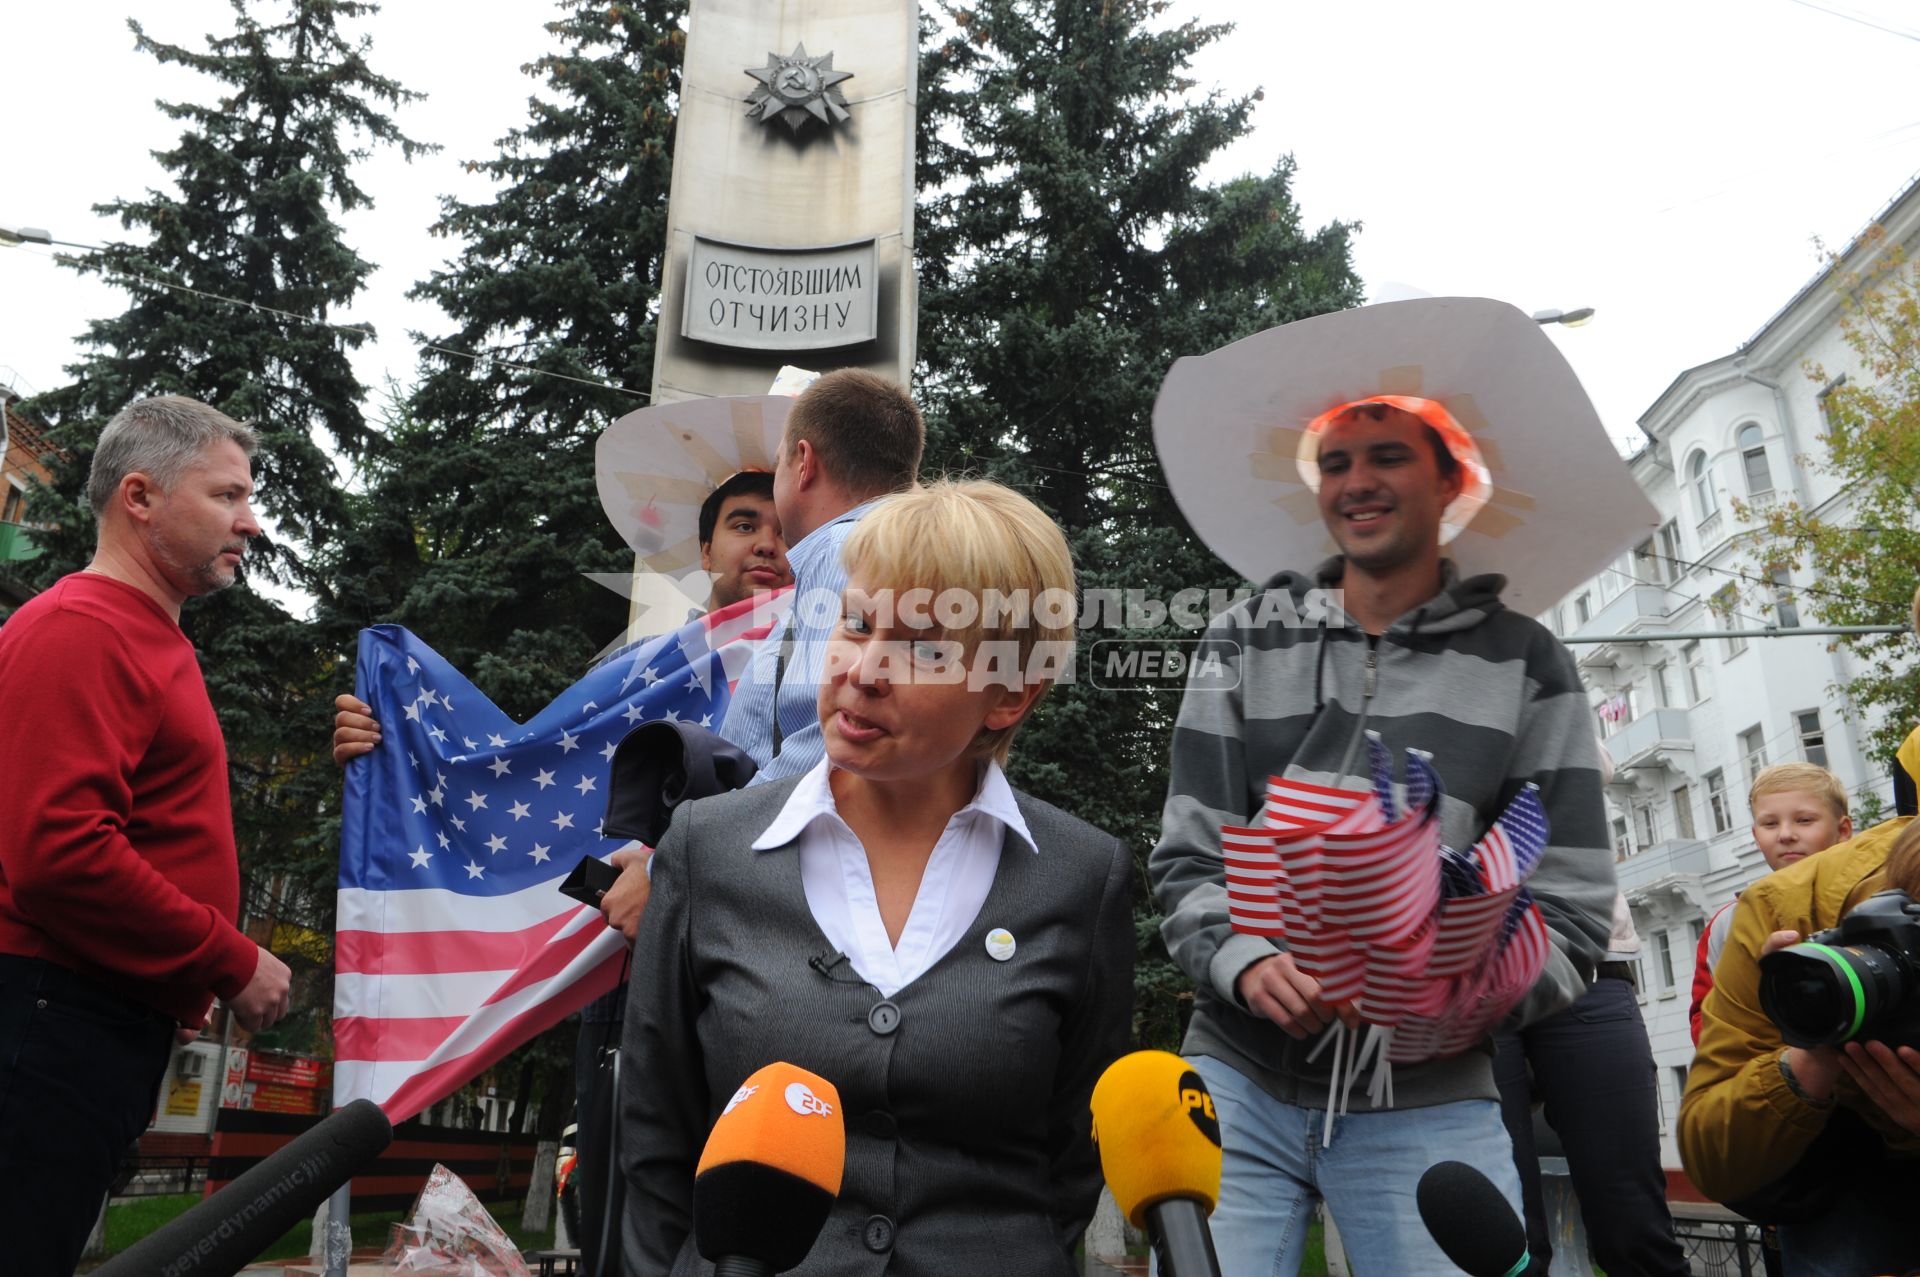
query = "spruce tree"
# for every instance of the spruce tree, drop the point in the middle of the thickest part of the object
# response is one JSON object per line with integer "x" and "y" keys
{"x": 480, "y": 513}
{"x": 239, "y": 280}
{"x": 1069, "y": 252}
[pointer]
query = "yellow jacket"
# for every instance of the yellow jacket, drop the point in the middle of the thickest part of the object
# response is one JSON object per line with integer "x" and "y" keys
{"x": 1741, "y": 1126}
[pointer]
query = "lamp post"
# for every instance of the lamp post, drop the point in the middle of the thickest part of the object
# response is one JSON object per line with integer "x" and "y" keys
{"x": 1571, "y": 318}
{"x": 14, "y": 236}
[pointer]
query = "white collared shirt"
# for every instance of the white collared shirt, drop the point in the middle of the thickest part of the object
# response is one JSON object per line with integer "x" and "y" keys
{"x": 839, "y": 881}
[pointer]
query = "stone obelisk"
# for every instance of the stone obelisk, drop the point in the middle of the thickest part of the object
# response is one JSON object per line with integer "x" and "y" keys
{"x": 790, "y": 228}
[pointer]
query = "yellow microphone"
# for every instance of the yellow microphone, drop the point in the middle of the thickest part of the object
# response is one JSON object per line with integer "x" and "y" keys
{"x": 1159, "y": 1142}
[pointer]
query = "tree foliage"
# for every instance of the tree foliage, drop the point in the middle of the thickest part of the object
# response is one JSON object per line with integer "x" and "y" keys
{"x": 258, "y": 179}
{"x": 1866, "y": 548}
{"x": 1070, "y": 249}
{"x": 479, "y": 513}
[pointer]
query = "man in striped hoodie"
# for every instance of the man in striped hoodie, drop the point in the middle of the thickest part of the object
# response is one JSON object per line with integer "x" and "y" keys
{"x": 1429, "y": 661}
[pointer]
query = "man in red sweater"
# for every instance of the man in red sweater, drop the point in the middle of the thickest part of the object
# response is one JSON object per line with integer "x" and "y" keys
{"x": 119, "y": 884}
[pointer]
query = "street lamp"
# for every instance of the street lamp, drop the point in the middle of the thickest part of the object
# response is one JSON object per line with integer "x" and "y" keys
{"x": 12, "y": 236}
{"x": 1571, "y": 318}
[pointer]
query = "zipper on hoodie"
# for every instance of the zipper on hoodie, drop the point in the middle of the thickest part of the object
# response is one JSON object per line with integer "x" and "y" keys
{"x": 1372, "y": 680}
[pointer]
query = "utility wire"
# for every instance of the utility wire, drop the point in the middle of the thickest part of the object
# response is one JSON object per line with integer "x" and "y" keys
{"x": 1853, "y": 17}
{"x": 358, "y": 330}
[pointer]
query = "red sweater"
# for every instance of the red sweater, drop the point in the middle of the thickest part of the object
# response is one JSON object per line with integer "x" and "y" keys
{"x": 116, "y": 833}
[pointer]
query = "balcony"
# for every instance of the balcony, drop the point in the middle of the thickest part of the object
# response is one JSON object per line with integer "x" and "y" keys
{"x": 1675, "y": 858}
{"x": 1636, "y": 607}
{"x": 16, "y": 543}
{"x": 1650, "y": 740}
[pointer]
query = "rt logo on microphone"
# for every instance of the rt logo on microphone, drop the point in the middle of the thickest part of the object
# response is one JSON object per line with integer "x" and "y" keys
{"x": 1198, "y": 1102}
{"x": 803, "y": 1101}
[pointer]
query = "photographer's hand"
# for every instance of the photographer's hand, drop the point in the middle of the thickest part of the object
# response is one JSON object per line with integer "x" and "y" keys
{"x": 1890, "y": 1079}
{"x": 1817, "y": 1070}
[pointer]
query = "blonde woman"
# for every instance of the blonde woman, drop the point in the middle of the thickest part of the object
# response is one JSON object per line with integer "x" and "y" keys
{"x": 955, "y": 956}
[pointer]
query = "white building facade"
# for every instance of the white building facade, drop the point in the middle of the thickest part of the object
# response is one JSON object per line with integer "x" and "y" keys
{"x": 1689, "y": 721}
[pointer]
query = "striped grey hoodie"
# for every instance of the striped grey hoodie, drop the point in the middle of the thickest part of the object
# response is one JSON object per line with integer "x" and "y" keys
{"x": 1490, "y": 693}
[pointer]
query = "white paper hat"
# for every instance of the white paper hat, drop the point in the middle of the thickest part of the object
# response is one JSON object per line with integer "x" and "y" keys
{"x": 656, "y": 466}
{"x": 1547, "y": 502}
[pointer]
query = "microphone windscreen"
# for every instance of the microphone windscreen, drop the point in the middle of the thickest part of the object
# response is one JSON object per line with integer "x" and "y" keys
{"x": 1154, "y": 1123}
{"x": 1471, "y": 1220}
{"x": 228, "y": 1230}
{"x": 771, "y": 1170}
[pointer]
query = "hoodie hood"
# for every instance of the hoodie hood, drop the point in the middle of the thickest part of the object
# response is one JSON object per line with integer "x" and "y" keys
{"x": 1461, "y": 604}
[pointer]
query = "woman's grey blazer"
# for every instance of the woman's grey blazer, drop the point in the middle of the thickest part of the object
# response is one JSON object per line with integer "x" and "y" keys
{"x": 968, "y": 1131}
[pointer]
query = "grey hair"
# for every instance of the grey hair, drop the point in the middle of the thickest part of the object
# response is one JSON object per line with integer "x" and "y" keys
{"x": 162, "y": 438}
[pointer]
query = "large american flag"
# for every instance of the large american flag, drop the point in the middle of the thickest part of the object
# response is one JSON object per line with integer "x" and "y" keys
{"x": 454, "y": 943}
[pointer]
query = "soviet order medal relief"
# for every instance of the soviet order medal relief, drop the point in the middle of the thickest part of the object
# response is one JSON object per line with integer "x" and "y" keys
{"x": 798, "y": 88}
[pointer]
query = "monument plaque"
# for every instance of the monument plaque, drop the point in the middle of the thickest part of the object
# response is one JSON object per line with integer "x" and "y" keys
{"x": 781, "y": 298}
{"x": 815, "y": 168}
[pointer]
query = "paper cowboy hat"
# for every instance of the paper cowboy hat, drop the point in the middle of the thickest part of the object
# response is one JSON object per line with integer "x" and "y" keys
{"x": 654, "y": 467}
{"x": 1547, "y": 502}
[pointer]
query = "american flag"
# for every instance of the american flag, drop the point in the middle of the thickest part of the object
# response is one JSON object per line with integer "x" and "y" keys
{"x": 1431, "y": 944}
{"x": 454, "y": 943}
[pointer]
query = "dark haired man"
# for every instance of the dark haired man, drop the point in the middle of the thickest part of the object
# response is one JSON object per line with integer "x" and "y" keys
{"x": 1426, "y": 656}
{"x": 740, "y": 542}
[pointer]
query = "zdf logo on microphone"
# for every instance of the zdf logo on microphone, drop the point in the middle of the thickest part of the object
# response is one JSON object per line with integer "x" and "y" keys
{"x": 740, "y": 1097}
{"x": 802, "y": 1100}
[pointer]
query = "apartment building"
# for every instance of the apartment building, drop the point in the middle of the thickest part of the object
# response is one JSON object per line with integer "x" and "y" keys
{"x": 1691, "y": 716}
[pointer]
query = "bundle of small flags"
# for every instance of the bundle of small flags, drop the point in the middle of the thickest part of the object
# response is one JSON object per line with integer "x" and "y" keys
{"x": 1430, "y": 945}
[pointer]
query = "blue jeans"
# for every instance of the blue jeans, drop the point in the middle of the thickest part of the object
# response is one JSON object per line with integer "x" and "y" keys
{"x": 80, "y": 1069}
{"x": 1274, "y": 1170}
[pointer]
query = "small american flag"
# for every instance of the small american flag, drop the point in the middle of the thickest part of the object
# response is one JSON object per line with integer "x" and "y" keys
{"x": 454, "y": 943}
{"x": 1431, "y": 944}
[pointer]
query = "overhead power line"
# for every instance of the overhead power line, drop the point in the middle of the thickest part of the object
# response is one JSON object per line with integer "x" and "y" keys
{"x": 359, "y": 330}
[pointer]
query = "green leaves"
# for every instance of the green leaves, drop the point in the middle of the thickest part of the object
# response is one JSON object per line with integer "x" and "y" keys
{"x": 1865, "y": 549}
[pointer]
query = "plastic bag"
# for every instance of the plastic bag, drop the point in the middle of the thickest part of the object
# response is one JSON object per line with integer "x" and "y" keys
{"x": 450, "y": 1234}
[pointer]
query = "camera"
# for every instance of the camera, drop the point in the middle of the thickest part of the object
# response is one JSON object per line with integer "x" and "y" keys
{"x": 1859, "y": 981}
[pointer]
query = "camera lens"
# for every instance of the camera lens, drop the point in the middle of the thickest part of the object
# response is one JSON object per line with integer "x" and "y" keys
{"x": 1823, "y": 995}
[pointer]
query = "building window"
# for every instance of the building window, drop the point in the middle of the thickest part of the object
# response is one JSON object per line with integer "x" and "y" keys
{"x": 1717, "y": 801}
{"x": 1785, "y": 614}
{"x": 1622, "y": 844}
{"x": 1753, "y": 459}
{"x": 1753, "y": 747}
{"x": 1724, "y": 601}
{"x": 1697, "y": 928}
{"x": 1683, "y": 811}
{"x": 1670, "y": 549}
{"x": 15, "y": 499}
{"x": 1679, "y": 1072}
{"x": 1700, "y": 479}
{"x": 1646, "y": 564}
{"x": 1696, "y": 673}
{"x": 1813, "y": 737}
{"x": 1663, "y": 957}
{"x": 1662, "y": 686}
{"x": 1582, "y": 609}
{"x": 1643, "y": 823}
{"x": 1640, "y": 975}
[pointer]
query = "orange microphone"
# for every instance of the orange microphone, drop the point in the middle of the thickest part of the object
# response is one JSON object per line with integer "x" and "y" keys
{"x": 769, "y": 1175}
{"x": 1159, "y": 1144}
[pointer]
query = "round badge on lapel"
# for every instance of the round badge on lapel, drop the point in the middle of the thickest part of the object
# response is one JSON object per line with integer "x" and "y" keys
{"x": 1000, "y": 944}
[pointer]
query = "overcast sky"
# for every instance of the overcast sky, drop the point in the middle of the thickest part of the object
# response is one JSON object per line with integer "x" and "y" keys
{"x": 1667, "y": 163}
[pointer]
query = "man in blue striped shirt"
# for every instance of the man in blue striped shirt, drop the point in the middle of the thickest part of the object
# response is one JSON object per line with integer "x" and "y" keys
{"x": 851, "y": 438}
